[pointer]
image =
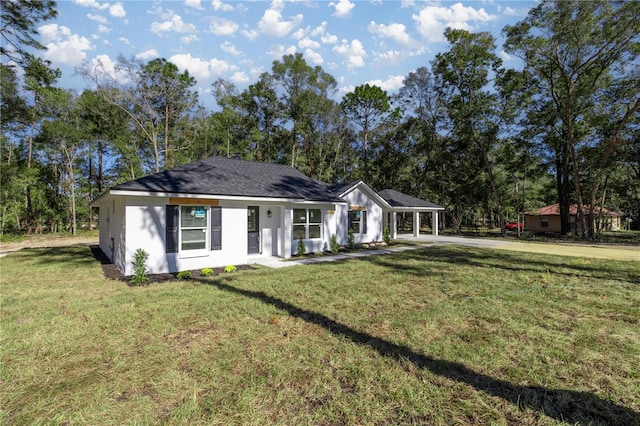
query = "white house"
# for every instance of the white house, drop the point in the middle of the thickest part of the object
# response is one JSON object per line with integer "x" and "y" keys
{"x": 220, "y": 211}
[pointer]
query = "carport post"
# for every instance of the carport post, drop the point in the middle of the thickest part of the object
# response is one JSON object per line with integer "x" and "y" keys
{"x": 434, "y": 222}
{"x": 394, "y": 226}
{"x": 416, "y": 224}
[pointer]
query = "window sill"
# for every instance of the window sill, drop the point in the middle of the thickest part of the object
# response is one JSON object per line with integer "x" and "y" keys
{"x": 188, "y": 254}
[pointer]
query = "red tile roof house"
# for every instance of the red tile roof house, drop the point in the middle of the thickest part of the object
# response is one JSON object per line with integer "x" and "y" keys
{"x": 547, "y": 219}
{"x": 220, "y": 211}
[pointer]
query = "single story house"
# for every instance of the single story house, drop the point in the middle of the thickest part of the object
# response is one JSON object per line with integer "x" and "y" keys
{"x": 547, "y": 219}
{"x": 221, "y": 211}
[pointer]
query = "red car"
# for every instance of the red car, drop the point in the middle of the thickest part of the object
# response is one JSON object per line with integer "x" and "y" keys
{"x": 512, "y": 226}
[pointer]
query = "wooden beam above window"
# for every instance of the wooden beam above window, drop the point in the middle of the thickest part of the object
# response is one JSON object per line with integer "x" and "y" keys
{"x": 194, "y": 201}
{"x": 352, "y": 208}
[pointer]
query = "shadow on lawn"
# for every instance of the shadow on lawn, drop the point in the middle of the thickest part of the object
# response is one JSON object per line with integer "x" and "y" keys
{"x": 560, "y": 404}
{"x": 486, "y": 258}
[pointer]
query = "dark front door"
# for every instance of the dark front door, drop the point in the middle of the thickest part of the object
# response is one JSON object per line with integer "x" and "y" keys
{"x": 253, "y": 226}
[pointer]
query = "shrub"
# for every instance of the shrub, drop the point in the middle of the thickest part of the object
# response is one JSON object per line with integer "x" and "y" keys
{"x": 230, "y": 268}
{"x": 206, "y": 272}
{"x": 301, "y": 248}
{"x": 351, "y": 240}
{"x": 386, "y": 236}
{"x": 183, "y": 275}
{"x": 334, "y": 244}
{"x": 140, "y": 276}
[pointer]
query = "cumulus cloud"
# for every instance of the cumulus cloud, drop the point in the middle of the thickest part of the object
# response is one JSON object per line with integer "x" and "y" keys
{"x": 123, "y": 40}
{"x": 273, "y": 24}
{"x": 325, "y": 36}
{"x": 148, "y": 54}
{"x": 353, "y": 52}
{"x": 97, "y": 18}
{"x": 91, "y": 3}
{"x": 433, "y": 20}
{"x": 220, "y": 26}
{"x": 239, "y": 78}
{"x": 103, "y": 64}
{"x": 196, "y": 4}
{"x": 308, "y": 43}
{"x": 396, "y": 32}
{"x": 63, "y": 47}
{"x": 199, "y": 68}
{"x": 313, "y": 56}
{"x": 103, "y": 29}
{"x": 278, "y": 51}
{"x": 175, "y": 24}
{"x": 189, "y": 38}
{"x": 228, "y": 47}
{"x": 117, "y": 10}
{"x": 391, "y": 84}
{"x": 223, "y": 7}
{"x": 343, "y": 8}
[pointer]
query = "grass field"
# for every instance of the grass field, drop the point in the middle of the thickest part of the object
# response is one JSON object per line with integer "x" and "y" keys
{"x": 441, "y": 335}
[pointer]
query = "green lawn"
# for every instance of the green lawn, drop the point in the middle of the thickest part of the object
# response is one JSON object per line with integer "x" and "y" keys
{"x": 442, "y": 335}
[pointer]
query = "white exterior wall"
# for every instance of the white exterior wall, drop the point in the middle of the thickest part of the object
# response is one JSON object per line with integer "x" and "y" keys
{"x": 374, "y": 216}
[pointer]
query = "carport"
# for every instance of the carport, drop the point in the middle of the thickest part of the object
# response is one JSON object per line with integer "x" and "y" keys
{"x": 403, "y": 203}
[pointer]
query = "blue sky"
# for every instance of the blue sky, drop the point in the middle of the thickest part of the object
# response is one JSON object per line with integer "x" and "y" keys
{"x": 357, "y": 42}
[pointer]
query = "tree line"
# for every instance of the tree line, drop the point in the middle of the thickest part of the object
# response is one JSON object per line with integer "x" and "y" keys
{"x": 480, "y": 139}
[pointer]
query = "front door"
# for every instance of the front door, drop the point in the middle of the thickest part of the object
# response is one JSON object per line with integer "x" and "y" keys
{"x": 253, "y": 227}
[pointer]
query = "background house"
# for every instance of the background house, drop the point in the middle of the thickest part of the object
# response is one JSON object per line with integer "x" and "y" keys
{"x": 547, "y": 219}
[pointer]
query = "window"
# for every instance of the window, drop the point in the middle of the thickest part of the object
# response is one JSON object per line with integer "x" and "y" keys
{"x": 544, "y": 222}
{"x": 188, "y": 228}
{"x": 193, "y": 227}
{"x": 358, "y": 221}
{"x": 307, "y": 224}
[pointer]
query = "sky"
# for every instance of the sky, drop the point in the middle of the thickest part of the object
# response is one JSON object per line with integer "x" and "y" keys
{"x": 357, "y": 42}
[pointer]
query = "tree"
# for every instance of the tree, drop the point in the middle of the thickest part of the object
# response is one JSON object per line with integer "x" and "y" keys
{"x": 367, "y": 107}
{"x": 18, "y": 22}
{"x": 467, "y": 71}
{"x": 579, "y": 53}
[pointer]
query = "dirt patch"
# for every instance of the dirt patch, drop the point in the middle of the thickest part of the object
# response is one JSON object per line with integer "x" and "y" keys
{"x": 110, "y": 271}
{"x": 45, "y": 241}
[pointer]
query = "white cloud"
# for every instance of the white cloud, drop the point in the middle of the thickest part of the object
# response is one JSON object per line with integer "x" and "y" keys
{"x": 278, "y": 51}
{"x": 391, "y": 84}
{"x": 407, "y": 3}
{"x": 272, "y": 23}
{"x": 223, "y": 7}
{"x": 64, "y": 48}
{"x": 505, "y": 55}
{"x": 124, "y": 40}
{"x": 313, "y": 56}
{"x": 228, "y": 47}
{"x": 148, "y": 54}
{"x": 199, "y": 68}
{"x": 194, "y": 4}
{"x": 239, "y": 78}
{"x": 104, "y": 65}
{"x": 117, "y": 10}
{"x": 394, "y": 57}
{"x": 298, "y": 34}
{"x": 308, "y": 43}
{"x": 103, "y": 29}
{"x": 220, "y": 26}
{"x": 189, "y": 38}
{"x": 433, "y": 20}
{"x": 325, "y": 37}
{"x": 97, "y": 18}
{"x": 91, "y": 3}
{"x": 343, "y": 8}
{"x": 397, "y": 32}
{"x": 353, "y": 52}
{"x": 175, "y": 24}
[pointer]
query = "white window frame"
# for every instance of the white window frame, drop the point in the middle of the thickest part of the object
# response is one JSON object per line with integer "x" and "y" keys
{"x": 307, "y": 224}
{"x": 206, "y": 230}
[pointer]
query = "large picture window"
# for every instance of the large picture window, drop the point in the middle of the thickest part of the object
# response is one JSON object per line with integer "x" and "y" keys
{"x": 307, "y": 224}
{"x": 193, "y": 227}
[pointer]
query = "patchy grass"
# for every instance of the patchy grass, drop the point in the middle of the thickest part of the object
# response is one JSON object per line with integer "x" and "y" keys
{"x": 440, "y": 335}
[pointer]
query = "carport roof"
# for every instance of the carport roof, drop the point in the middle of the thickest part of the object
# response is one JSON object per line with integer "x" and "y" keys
{"x": 403, "y": 201}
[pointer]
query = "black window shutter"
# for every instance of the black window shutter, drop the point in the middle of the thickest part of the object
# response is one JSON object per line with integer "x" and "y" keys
{"x": 363, "y": 221}
{"x": 171, "y": 245}
{"x": 216, "y": 228}
{"x": 351, "y": 215}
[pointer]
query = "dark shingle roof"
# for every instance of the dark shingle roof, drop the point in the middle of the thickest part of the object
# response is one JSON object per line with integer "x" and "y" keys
{"x": 398, "y": 199}
{"x": 225, "y": 176}
{"x": 339, "y": 188}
